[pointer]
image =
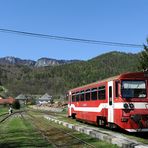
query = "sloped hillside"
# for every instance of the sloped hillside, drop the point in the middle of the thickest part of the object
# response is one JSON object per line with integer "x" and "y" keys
{"x": 58, "y": 79}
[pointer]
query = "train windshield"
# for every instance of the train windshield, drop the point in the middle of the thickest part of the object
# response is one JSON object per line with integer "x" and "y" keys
{"x": 133, "y": 89}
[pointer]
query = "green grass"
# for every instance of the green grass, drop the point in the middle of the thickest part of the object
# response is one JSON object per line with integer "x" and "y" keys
{"x": 17, "y": 132}
{"x": 93, "y": 141}
{"x": 3, "y": 109}
{"x": 60, "y": 116}
{"x": 139, "y": 139}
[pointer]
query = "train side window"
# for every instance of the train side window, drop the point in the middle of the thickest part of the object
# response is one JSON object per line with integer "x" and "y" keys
{"x": 101, "y": 93}
{"x": 94, "y": 94}
{"x": 82, "y": 96}
{"x": 77, "y": 96}
{"x": 73, "y": 97}
{"x": 87, "y": 95}
{"x": 117, "y": 89}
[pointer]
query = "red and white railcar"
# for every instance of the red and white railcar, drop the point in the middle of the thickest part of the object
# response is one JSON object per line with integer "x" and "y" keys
{"x": 120, "y": 101}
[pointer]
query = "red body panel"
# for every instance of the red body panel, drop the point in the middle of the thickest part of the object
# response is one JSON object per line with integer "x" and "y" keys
{"x": 100, "y": 111}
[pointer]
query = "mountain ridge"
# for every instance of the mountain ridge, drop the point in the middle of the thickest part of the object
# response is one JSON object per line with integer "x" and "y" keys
{"x": 41, "y": 62}
{"x": 56, "y": 80}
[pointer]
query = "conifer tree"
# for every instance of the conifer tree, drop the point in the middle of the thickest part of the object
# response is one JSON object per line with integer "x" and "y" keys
{"x": 144, "y": 58}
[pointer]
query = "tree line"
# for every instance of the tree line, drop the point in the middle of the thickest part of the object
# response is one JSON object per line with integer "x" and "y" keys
{"x": 56, "y": 80}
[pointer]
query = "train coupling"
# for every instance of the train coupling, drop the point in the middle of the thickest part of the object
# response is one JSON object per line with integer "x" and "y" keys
{"x": 138, "y": 119}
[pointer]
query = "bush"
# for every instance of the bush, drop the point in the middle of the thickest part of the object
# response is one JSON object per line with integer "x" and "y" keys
{"x": 16, "y": 105}
{"x": 1, "y": 89}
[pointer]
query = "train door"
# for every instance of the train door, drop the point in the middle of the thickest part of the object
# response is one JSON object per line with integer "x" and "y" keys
{"x": 110, "y": 102}
{"x": 69, "y": 103}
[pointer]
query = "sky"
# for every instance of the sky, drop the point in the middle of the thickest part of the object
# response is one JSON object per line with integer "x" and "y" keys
{"x": 124, "y": 21}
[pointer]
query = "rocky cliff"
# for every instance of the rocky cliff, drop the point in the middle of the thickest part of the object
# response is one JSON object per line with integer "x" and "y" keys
{"x": 42, "y": 62}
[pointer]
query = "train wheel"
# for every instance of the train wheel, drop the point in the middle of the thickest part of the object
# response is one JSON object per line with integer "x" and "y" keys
{"x": 112, "y": 125}
{"x": 101, "y": 121}
{"x": 73, "y": 116}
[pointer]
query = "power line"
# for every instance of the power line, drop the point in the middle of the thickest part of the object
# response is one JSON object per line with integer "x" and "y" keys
{"x": 70, "y": 38}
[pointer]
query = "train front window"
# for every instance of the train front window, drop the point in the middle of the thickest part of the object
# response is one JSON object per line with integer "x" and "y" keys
{"x": 133, "y": 89}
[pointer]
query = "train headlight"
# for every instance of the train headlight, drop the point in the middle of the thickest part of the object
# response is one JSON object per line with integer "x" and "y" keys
{"x": 125, "y": 105}
{"x": 131, "y": 105}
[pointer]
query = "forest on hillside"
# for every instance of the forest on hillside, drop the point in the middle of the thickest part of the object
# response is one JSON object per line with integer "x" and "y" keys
{"x": 56, "y": 80}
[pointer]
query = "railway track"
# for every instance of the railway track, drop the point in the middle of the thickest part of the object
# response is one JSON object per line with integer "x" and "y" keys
{"x": 136, "y": 138}
{"x": 143, "y": 135}
{"x": 58, "y": 137}
{"x": 48, "y": 112}
{"x": 5, "y": 116}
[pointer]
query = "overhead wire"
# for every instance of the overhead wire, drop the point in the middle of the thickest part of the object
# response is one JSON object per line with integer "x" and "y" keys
{"x": 88, "y": 41}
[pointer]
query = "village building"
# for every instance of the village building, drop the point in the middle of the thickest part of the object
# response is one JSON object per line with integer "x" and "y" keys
{"x": 7, "y": 101}
{"x": 22, "y": 99}
{"x": 46, "y": 98}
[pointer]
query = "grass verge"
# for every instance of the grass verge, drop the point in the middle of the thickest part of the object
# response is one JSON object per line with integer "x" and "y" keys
{"x": 82, "y": 136}
{"x": 17, "y": 132}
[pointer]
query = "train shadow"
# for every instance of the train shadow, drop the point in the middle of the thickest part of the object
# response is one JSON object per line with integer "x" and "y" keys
{"x": 143, "y": 135}
{"x": 138, "y": 134}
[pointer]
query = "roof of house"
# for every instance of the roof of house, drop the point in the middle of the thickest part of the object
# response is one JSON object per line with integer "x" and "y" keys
{"x": 21, "y": 97}
{"x": 45, "y": 97}
{"x": 9, "y": 100}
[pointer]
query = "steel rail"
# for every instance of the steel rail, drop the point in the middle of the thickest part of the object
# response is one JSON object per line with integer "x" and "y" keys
{"x": 9, "y": 115}
{"x": 41, "y": 132}
{"x": 67, "y": 133}
{"x": 135, "y": 135}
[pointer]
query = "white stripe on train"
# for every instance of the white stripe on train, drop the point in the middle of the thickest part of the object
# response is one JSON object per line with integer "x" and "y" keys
{"x": 137, "y": 105}
{"x": 137, "y": 130}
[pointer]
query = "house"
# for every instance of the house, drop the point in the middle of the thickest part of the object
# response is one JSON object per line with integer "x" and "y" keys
{"x": 22, "y": 98}
{"x": 46, "y": 98}
{"x": 6, "y": 101}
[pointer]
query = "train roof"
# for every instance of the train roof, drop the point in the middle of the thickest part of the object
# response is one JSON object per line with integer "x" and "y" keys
{"x": 129, "y": 75}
